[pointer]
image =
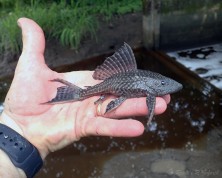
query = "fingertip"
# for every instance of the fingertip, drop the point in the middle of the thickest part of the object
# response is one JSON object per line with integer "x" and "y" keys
{"x": 21, "y": 20}
{"x": 32, "y": 36}
{"x": 127, "y": 128}
{"x": 137, "y": 128}
{"x": 28, "y": 24}
{"x": 167, "y": 98}
{"x": 161, "y": 105}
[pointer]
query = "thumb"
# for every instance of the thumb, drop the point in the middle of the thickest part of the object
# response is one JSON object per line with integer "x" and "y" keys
{"x": 30, "y": 83}
{"x": 33, "y": 45}
{"x": 32, "y": 36}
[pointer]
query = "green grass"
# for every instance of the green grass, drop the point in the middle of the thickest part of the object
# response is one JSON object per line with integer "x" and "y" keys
{"x": 69, "y": 21}
{"x": 9, "y": 38}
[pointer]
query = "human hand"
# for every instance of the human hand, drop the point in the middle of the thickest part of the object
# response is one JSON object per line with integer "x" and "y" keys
{"x": 52, "y": 127}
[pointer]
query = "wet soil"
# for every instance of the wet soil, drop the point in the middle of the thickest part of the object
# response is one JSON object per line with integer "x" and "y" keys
{"x": 110, "y": 36}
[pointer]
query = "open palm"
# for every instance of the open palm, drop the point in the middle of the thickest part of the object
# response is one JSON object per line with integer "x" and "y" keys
{"x": 51, "y": 127}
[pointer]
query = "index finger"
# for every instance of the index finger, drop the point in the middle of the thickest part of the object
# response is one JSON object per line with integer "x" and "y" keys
{"x": 135, "y": 107}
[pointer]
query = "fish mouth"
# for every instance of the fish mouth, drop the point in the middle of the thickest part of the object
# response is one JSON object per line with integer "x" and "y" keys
{"x": 179, "y": 87}
{"x": 175, "y": 88}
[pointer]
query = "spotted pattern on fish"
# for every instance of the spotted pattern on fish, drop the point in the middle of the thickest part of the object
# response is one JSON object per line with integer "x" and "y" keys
{"x": 122, "y": 79}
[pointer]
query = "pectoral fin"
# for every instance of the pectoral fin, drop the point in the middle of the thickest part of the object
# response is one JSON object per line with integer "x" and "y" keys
{"x": 115, "y": 103}
{"x": 150, "y": 102}
{"x": 101, "y": 99}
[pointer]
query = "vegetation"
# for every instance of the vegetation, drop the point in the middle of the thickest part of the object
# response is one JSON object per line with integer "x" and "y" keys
{"x": 66, "y": 20}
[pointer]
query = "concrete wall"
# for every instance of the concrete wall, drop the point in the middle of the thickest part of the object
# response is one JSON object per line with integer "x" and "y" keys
{"x": 174, "y": 24}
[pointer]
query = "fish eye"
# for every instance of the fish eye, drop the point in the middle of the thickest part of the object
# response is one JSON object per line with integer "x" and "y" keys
{"x": 162, "y": 82}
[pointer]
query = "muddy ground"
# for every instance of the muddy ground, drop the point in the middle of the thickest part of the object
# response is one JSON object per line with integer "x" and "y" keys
{"x": 110, "y": 36}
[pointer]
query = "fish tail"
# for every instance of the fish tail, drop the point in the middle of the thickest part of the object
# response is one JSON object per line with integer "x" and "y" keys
{"x": 67, "y": 93}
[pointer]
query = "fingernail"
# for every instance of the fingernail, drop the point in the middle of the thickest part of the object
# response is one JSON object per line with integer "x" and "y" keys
{"x": 18, "y": 22}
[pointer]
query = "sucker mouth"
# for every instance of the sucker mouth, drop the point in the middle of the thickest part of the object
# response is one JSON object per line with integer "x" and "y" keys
{"x": 180, "y": 87}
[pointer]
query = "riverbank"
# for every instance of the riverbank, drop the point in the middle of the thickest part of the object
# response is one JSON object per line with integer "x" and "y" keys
{"x": 110, "y": 36}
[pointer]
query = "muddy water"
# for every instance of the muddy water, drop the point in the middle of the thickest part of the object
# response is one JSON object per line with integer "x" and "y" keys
{"x": 192, "y": 113}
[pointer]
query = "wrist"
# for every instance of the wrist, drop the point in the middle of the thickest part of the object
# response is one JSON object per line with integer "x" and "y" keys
{"x": 8, "y": 121}
{"x": 7, "y": 169}
{"x": 21, "y": 152}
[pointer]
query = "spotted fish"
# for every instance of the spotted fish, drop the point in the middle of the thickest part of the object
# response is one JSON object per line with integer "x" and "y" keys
{"x": 122, "y": 79}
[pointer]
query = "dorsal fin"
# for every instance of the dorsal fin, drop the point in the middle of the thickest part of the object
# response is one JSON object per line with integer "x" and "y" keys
{"x": 121, "y": 61}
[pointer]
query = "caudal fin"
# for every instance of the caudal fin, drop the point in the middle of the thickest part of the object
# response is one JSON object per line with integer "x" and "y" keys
{"x": 67, "y": 93}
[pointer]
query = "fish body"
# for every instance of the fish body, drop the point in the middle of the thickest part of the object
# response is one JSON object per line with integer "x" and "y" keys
{"x": 122, "y": 79}
{"x": 137, "y": 83}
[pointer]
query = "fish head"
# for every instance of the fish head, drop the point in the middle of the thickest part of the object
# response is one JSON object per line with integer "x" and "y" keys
{"x": 162, "y": 85}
